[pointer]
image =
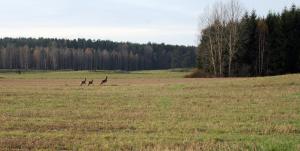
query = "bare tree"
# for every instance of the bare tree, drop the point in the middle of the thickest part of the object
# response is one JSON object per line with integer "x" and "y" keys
{"x": 221, "y": 34}
{"x": 262, "y": 29}
{"x": 24, "y": 57}
{"x": 215, "y": 20}
{"x": 208, "y": 58}
{"x": 10, "y": 55}
{"x": 234, "y": 12}
{"x": 3, "y": 57}
{"x": 37, "y": 57}
{"x": 88, "y": 53}
{"x": 53, "y": 60}
{"x": 105, "y": 59}
{"x": 219, "y": 15}
{"x": 148, "y": 54}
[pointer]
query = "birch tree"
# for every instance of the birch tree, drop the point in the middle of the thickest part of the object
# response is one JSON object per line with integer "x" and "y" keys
{"x": 221, "y": 34}
{"x": 262, "y": 30}
{"x": 234, "y": 12}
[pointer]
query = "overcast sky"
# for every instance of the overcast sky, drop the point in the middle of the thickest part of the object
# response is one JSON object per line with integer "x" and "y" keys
{"x": 142, "y": 21}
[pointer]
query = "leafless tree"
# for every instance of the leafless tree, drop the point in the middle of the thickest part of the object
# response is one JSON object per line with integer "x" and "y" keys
{"x": 262, "y": 29}
{"x": 24, "y": 57}
{"x": 222, "y": 34}
{"x": 215, "y": 20}
{"x": 3, "y": 57}
{"x": 234, "y": 14}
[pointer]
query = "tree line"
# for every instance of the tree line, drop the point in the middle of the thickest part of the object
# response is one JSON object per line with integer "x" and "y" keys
{"x": 248, "y": 45}
{"x": 82, "y": 54}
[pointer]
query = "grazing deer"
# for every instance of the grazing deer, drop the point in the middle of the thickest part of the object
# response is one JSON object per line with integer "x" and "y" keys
{"x": 90, "y": 82}
{"x": 104, "y": 81}
{"x": 83, "y": 82}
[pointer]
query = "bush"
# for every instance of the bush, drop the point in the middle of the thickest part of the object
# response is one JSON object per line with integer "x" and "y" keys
{"x": 197, "y": 73}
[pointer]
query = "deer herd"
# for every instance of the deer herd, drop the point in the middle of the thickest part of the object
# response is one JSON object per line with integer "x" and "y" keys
{"x": 91, "y": 82}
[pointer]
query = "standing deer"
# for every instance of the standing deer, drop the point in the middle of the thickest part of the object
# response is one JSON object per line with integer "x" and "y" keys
{"x": 83, "y": 82}
{"x": 104, "y": 81}
{"x": 90, "y": 82}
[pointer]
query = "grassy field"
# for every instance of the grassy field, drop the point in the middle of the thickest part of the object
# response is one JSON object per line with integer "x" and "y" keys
{"x": 148, "y": 110}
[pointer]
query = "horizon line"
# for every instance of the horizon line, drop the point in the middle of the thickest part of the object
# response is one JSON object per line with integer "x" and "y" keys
{"x": 95, "y": 40}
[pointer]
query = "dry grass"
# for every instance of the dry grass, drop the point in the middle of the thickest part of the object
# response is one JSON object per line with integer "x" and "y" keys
{"x": 151, "y": 110}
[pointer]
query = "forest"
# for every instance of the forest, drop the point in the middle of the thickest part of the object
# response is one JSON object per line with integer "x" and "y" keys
{"x": 82, "y": 54}
{"x": 231, "y": 44}
{"x": 248, "y": 45}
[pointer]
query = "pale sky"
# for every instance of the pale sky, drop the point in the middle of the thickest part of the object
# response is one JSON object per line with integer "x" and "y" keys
{"x": 141, "y": 21}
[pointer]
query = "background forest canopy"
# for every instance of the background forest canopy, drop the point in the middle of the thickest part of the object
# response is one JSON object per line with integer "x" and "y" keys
{"x": 82, "y": 54}
{"x": 237, "y": 43}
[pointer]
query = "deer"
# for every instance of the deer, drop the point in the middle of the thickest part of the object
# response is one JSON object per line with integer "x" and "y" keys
{"x": 104, "y": 81}
{"x": 90, "y": 82}
{"x": 83, "y": 82}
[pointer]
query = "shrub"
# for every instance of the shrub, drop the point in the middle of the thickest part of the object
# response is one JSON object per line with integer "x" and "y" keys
{"x": 198, "y": 73}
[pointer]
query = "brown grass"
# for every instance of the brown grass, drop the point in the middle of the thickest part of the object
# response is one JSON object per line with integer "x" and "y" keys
{"x": 149, "y": 113}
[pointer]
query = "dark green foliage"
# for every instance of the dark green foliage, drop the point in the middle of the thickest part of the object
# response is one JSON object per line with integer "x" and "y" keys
{"x": 276, "y": 46}
{"x": 281, "y": 50}
{"x": 246, "y": 56}
{"x": 82, "y": 54}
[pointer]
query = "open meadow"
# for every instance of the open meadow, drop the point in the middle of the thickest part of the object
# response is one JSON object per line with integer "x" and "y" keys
{"x": 148, "y": 110}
